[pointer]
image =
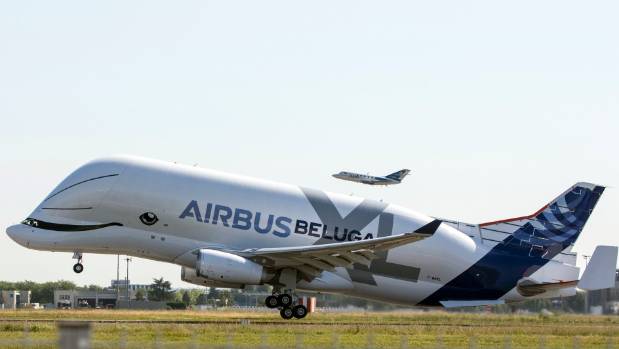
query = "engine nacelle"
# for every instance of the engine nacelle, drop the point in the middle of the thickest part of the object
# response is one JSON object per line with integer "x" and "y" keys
{"x": 229, "y": 268}
{"x": 190, "y": 275}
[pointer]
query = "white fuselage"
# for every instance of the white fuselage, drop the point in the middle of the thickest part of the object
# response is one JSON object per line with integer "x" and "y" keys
{"x": 365, "y": 179}
{"x": 121, "y": 189}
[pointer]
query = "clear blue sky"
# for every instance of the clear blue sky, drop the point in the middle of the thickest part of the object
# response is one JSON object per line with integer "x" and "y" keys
{"x": 497, "y": 107}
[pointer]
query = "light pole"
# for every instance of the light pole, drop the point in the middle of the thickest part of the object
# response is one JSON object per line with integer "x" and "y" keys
{"x": 128, "y": 259}
{"x": 117, "y": 278}
{"x": 586, "y": 257}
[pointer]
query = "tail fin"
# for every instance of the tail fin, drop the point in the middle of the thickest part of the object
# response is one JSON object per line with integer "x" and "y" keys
{"x": 555, "y": 226}
{"x": 601, "y": 271}
{"x": 523, "y": 246}
{"x": 398, "y": 176}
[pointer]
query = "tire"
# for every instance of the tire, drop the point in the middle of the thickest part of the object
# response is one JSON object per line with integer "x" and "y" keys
{"x": 299, "y": 311}
{"x": 78, "y": 268}
{"x": 284, "y": 300}
{"x": 286, "y": 313}
{"x": 271, "y": 302}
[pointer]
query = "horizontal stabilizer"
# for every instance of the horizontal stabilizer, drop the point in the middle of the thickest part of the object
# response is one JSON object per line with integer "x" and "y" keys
{"x": 530, "y": 288}
{"x": 458, "y": 304}
{"x": 601, "y": 270}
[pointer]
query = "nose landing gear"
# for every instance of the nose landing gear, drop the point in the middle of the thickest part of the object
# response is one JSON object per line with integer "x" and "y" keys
{"x": 78, "y": 267}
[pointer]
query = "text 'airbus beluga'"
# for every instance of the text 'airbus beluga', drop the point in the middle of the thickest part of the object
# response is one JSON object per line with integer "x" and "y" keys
{"x": 229, "y": 231}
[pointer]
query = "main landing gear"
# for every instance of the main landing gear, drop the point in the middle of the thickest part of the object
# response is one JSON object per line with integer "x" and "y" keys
{"x": 78, "y": 267}
{"x": 288, "y": 307}
{"x": 283, "y": 297}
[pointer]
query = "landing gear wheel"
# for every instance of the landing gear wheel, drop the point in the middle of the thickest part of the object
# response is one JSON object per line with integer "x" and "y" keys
{"x": 271, "y": 302}
{"x": 284, "y": 300}
{"x": 286, "y": 313}
{"x": 299, "y": 311}
{"x": 78, "y": 268}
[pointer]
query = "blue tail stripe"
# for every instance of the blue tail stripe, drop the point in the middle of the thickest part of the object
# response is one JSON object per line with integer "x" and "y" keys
{"x": 524, "y": 252}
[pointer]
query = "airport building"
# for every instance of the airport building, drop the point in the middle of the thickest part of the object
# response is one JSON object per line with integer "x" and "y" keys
{"x": 14, "y": 299}
{"x": 84, "y": 299}
{"x": 110, "y": 297}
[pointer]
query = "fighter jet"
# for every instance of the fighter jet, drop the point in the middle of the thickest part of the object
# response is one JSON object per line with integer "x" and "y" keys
{"x": 394, "y": 178}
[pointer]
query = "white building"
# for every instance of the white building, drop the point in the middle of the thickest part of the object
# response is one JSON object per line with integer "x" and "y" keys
{"x": 14, "y": 299}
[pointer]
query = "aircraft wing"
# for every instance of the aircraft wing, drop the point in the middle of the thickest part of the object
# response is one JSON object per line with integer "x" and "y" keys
{"x": 312, "y": 260}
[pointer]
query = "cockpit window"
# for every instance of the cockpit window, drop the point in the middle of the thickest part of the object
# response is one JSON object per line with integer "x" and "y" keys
{"x": 31, "y": 222}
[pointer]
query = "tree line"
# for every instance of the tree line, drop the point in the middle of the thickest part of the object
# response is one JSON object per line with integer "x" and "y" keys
{"x": 161, "y": 290}
{"x": 44, "y": 292}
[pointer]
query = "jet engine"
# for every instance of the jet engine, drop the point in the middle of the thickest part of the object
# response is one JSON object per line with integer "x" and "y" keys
{"x": 229, "y": 268}
{"x": 190, "y": 275}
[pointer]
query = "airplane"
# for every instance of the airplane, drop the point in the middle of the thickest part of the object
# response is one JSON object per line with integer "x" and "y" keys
{"x": 394, "y": 178}
{"x": 226, "y": 230}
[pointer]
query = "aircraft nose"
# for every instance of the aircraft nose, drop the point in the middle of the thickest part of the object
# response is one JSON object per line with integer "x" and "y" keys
{"x": 15, "y": 232}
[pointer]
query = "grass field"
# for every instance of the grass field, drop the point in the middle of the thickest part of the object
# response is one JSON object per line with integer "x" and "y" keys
{"x": 230, "y": 329}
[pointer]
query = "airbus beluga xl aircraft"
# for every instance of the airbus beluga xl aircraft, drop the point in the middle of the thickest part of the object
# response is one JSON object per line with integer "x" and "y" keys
{"x": 229, "y": 231}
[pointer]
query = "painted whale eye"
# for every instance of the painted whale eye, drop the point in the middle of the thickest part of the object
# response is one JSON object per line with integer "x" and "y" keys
{"x": 148, "y": 218}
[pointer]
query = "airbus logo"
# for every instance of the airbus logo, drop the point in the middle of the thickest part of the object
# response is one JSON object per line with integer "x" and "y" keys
{"x": 280, "y": 226}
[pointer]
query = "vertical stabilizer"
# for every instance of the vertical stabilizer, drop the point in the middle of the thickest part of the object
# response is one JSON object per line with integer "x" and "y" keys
{"x": 554, "y": 227}
{"x": 398, "y": 176}
{"x": 601, "y": 271}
